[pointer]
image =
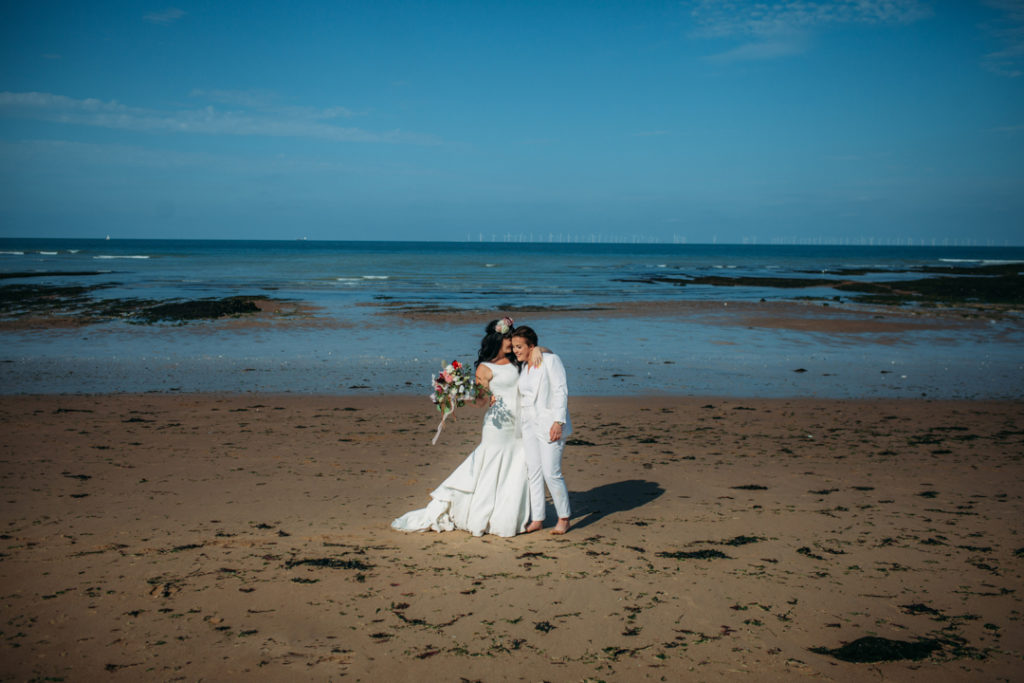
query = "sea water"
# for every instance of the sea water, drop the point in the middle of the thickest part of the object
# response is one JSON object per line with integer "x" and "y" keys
{"x": 369, "y": 348}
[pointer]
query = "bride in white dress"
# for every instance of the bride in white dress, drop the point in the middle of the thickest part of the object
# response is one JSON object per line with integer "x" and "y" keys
{"x": 488, "y": 493}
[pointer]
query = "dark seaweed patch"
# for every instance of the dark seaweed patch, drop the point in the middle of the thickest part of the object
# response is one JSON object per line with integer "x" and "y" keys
{"x": 807, "y": 551}
{"x": 876, "y": 649}
{"x": 77, "y": 303}
{"x": 329, "y": 563}
{"x": 23, "y": 299}
{"x": 696, "y": 555}
{"x": 743, "y": 540}
{"x": 198, "y": 309}
{"x": 187, "y": 546}
{"x": 919, "y": 608}
{"x": 999, "y": 283}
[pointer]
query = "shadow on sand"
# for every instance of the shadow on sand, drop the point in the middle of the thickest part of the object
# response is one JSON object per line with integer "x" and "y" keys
{"x": 597, "y": 503}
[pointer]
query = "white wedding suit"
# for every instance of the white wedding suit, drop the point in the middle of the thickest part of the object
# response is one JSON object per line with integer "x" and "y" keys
{"x": 487, "y": 493}
{"x": 544, "y": 400}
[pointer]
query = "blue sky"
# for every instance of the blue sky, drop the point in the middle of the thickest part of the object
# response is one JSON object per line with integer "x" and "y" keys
{"x": 701, "y": 121}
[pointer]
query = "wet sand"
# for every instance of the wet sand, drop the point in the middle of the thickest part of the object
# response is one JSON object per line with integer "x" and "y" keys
{"x": 245, "y": 537}
{"x": 740, "y": 348}
{"x": 839, "y": 318}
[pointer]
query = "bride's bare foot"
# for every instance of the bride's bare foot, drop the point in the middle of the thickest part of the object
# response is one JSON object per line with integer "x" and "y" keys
{"x": 533, "y": 526}
{"x": 562, "y": 526}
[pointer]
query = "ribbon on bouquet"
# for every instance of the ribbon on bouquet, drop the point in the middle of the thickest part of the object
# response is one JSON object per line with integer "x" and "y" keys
{"x": 440, "y": 426}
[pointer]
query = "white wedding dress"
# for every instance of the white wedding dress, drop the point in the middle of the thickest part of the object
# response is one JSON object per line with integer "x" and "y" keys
{"x": 488, "y": 492}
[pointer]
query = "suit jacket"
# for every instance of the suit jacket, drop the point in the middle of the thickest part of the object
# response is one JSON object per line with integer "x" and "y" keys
{"x": 552, "y": 400}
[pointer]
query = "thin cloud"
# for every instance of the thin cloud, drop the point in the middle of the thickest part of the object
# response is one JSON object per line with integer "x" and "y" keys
{"x": 237, "y": 98}
{"x": 302, "y": 122}
{"x": 165, "y": 17}
{"x": 721, "y": 19}
{"x": 1008, "y": 30}
{"x": 769, "y": 49}
{"x": 13, "y": 101}
{"x": 783, "y": 28}
{"x": 266, "y": 101}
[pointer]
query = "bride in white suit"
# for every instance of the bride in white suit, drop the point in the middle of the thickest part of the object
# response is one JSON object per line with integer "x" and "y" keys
{"x": 545, "y": 424}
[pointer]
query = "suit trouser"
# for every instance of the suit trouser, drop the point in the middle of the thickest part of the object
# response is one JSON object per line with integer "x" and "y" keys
{"x": 544, "y": 465}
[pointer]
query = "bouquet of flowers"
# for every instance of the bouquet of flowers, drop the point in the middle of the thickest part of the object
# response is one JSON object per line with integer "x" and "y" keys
{"x": 452, "y": 388}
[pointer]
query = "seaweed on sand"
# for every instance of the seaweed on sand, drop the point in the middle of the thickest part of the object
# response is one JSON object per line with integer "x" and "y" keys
{"x": 1006, "y": 287}
{"x": 329, "y": 563}
{"x": 25, "y": 299}
{"x": 992, "y": 284}
{"x": 77, "y": 303}
{"x": 199, "y": 309}
{"x": 920, "y": 608}
{"x": 742, "y": 540}
{"x": 696, "y": 555}
{"x": 877, "y": 649}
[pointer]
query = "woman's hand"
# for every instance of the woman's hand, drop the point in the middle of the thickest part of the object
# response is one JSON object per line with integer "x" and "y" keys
{"x": 536, "y": 356}
{"x": 484, "y": 397}
{"x": 556, "y": 432}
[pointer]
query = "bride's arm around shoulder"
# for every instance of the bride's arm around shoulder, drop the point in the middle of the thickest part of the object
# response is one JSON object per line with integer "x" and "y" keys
{"x": 483, "y": 377}
{"x": 537, "y": 356}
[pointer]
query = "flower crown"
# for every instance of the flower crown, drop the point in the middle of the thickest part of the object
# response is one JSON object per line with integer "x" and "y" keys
{"x": 504, "y": 326}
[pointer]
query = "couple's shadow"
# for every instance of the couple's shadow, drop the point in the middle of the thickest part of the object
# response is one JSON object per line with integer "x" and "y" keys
{"x": 601, "y": 501}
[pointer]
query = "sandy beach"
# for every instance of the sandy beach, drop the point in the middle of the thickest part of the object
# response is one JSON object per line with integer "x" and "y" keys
{"x": 245, "y": 537}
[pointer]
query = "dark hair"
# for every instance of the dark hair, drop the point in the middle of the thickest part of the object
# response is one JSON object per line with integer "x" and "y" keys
{"x": 490, "y": 345}
{"x": 526, "y": 333}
